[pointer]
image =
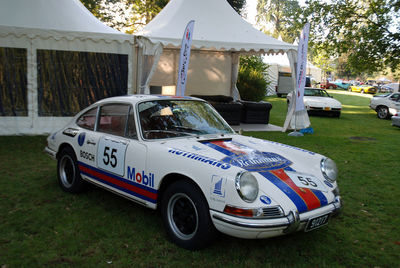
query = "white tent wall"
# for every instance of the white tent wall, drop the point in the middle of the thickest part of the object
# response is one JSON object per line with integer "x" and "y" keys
{"x": 43, "y": 25}
{"x": 216, "y": 77}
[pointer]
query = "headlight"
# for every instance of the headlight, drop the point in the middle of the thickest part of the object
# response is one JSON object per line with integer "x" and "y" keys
{"x": 329, "y": 169}
{"x": 246, "y": 186}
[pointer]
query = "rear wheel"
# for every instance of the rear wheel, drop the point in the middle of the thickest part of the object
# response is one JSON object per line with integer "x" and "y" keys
{"x": 69, "y": 177}
{"x": 186, "y": 216}
{"x": 382, "y": 112}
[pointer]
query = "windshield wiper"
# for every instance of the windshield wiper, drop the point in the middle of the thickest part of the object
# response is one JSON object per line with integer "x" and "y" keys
{"x": 198, "y": 131}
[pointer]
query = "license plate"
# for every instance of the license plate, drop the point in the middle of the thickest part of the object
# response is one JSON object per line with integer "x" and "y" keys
{"x": 317, "y": 222}
{"x": 327, "y": 108}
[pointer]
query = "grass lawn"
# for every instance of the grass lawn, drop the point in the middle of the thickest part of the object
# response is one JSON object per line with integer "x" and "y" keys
{"x": 40, "y": 225}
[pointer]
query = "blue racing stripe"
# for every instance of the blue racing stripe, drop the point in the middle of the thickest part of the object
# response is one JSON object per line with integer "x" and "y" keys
{"x": 296, "y": 199}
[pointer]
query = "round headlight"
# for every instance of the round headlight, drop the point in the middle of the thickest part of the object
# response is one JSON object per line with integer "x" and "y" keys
{"x": 246, "y": 186}
{"x": 329, "y": 169}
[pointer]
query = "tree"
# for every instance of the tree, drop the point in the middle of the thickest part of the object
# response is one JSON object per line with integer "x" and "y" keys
{"x": 284, "y": 17}
{"x": 368, "y": 31}
{"x": 237, "y": 5}
{"x": 251, "y": 81}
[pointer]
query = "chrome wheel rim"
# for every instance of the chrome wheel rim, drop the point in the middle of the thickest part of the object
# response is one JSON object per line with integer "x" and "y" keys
{"x": 382, "y": 113}
{"x": 67, "y": 171}
{"x": 182, "y": 216}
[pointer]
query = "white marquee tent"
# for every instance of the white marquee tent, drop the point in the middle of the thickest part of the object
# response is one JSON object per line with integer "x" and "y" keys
{"x": 42, "y": 29}
{"x": 220, "y": 36}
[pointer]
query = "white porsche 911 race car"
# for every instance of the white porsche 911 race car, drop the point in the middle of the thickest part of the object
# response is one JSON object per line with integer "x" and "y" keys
{"x": 178, "y": 154}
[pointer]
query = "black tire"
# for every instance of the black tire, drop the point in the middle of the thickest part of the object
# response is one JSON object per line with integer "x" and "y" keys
{"x": 68, "y": 175}
{"x": 186, "y": 216}
{"x": 382, "y": 112}
{"x": 279, "y": 95}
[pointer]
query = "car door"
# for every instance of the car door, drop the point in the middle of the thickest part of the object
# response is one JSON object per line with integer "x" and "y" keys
{"x": 121, "y": 157}
{"x": 112, "y": 142}
{"x": 394, "y": 101}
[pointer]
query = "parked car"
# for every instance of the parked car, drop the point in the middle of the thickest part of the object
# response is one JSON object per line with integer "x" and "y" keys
{"x": 318, "y": 101}
{"x": 385, "y": 89}
{"x": 179, "y": 155}
{"x": 328, "y": 85}
{"x": 396, "y": 120}
{"x": 393, "y": 87}
{"x": 386, "y": 105}
{"x": 341, "y": 84}
{"x": 363, "y": 89}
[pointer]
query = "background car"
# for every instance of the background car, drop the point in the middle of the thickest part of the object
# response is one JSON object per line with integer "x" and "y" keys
{"x": 328, "y": 85}
{"x": 342, "y": 84}
{"x": 392, "y": 87}
{"x": 363, "y": 89}
{"x": 318, "y": 101}
{"x": 385, "y": 105}
{"x": 179, "y": 155}
{"x": 396, "y": 120}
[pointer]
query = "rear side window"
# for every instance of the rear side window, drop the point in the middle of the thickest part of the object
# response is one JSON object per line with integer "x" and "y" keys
{"x": 88, "y": 119}
{"x": 113, "y": 118}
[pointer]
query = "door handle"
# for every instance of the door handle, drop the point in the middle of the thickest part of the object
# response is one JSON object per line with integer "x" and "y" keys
{"x": 90, "y": 141}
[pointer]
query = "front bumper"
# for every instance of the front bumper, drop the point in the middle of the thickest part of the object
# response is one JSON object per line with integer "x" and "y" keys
{"x": 50, "y": 152}
{"x": 264, "y": 228}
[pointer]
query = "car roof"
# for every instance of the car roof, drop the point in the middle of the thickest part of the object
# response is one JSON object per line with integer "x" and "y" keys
{"x": 138, "y": 98}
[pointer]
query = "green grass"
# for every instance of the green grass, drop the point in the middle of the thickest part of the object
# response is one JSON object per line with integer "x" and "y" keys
{"x": 40, "y": 225}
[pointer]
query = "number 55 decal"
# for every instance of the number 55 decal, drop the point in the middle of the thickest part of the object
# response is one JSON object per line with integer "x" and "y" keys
{"x": 111, "y": 156}
{"x": 306, "y": 181}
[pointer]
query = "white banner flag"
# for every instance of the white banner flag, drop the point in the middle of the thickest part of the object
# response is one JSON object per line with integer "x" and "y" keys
{"x": 302, "y": 67}
{"x": 184, "y": 59}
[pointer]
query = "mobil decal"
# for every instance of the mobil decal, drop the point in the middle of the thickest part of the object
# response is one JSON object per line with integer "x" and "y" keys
{"x": 140, "y": 177}
{"x": 271, "y": 166}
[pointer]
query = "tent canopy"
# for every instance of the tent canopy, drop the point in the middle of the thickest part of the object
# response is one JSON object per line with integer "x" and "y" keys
{"x": 217, "y": 27}
{"x": 61, "y": 15}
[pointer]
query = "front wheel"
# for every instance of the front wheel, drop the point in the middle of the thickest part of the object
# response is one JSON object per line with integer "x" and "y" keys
{"x": 382, "y": 112}
{"x": 69, "y": 177}
{"x": 186, "y": 216}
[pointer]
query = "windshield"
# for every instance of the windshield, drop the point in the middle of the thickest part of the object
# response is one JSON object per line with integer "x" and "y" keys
{"x": 315, "y": 92}
{"x": 162, "y": 119}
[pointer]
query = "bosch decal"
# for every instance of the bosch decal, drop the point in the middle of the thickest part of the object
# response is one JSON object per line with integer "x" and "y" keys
{"x": 81, "y": 138}
{"x": 140, "y": 177}
{"x": 86, "y": 155}
{"x": 200, "y": 158}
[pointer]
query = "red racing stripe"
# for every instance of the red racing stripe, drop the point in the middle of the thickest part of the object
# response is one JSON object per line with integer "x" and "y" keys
{"x": 118, "y": 182}
{"x": 306, "y": 194}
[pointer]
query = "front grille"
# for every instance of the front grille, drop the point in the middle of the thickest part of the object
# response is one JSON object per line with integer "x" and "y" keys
{"x": 272, "y": 212}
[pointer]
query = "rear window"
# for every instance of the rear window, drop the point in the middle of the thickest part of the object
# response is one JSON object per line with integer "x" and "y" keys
{"x": 88, "y": 119}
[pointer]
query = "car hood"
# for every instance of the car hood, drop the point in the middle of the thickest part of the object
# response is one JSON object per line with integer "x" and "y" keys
{"x": 270, "y": 162}
{"x": 321, "y": 102}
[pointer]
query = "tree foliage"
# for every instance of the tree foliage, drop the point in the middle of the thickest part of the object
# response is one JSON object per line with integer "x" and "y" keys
{"x": 237, "y": 5}
{"x": 251, "y": 81}
{"x": 367, "y": 31}
{"x": 282, "y": 15}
